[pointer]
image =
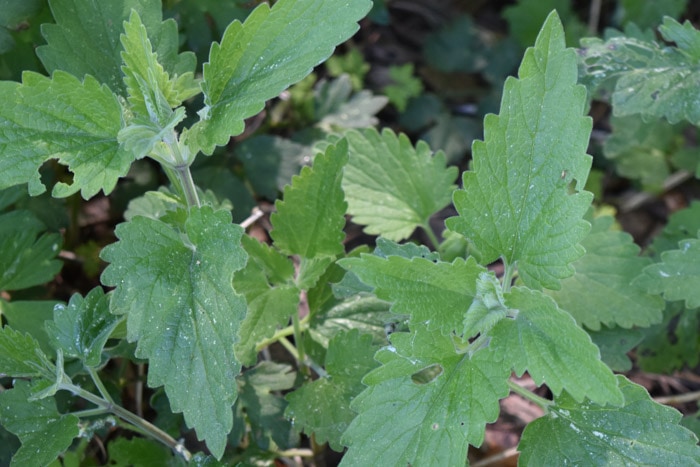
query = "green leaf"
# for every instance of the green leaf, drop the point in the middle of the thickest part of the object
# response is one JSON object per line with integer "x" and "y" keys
{"x": 309, "y": 221}
{"x": 352, "y": 64}
{"x": 175, "y": 284}
{"x": 648, "y": 14}
{"x": 642, "y": 432}
{"x": 27, "y": 253}
{"x": 82, "y": 328}
{"x": 86, "y": 39}
{"x": 649, "y": 79}
{"x": 140, "y": 452}
{"x": 546, "y": 342}
{"x": 614, "y": 343}
{"x": 21, "y": 356}
{"x": 259, "y": 390}
{"x": 323, "y": 406}
{"x": 681, "y": 225}
{"x": 44, "y": 432}
{"x": 425, "y": 404}
{"x": 257, "y": 60}
{"x": 488, "y": 307}
{"x": 61, "y": 118}
{"x": 640, "y": 149}
{"x": 337, "y": 107}
{"x": 436, "y": 293}
{"x": 601, "y": 291}
{"x": 516, "y": 202}
{"x": 405, "y": 87}
{"x": 393, "y": 187}
{"x": 525, "y": 18}
{"x": 28, "y": 317}
{"x": 271, "y": 302}
{"x": 673, "y": 344}
{"x": 677, "y": 275}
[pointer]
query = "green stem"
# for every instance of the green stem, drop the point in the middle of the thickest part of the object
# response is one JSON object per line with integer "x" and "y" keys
{"x": 100, "y": 386}
{"x": 290, "y": 347}
{"x": 508, "y": 273}
{"x": 284, "y": 332}
{"x": 431, "y": 235}
{"x": 188, "y": 187}
{"x": 142, "y": 425}
{"x": 299, "y": 343}
{"x": 529, "y": 395}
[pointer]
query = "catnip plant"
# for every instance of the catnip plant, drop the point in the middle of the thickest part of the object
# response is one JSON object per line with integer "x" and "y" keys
{"x": 189, "y": 293}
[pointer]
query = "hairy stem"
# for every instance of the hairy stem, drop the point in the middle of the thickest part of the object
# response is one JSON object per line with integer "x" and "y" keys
{"x": 529, "y": 395}
{"x": 141, "y": 425}
{"x": 431, "y": 235}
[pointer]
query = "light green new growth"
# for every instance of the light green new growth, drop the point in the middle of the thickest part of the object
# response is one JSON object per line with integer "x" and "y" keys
{"x": 393, "y": 187}
{"x": 517, "y": 202}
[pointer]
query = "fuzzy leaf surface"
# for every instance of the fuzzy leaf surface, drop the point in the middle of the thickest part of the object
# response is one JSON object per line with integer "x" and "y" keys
{"x": 257, "y": 60}
{"x": 641, "y": 432}
{"x": 82, "y": 328}
{"x": 61, "y": 118}
{"x": 175, "y": 285}
{"x": 438, "y": 294}
{"x": 515, "y": 203}
{"x": 309, "y": 221}
{"x": 677, "y": 275}
{"x": 323, "y": 406}
{"x": 424, "y": 421}
{"x": 27, "y": 254}
{"x": 86, "y": 39}
{"x": 546, "y": 342}
{"x": 20, "y": 355}
{"x": 393, "y": 187}
{"x": 601, "y": 291}
{"x": 649, "y": 78}
{"x": 44, "y": 432}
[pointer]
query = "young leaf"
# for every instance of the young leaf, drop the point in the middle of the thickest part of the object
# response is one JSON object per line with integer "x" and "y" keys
{"x": 61, "y": 118}
{"x": 601, "y": 291}
{"x": 681, "y": 225}
{"x": 29, "y": 317}
{"x": 309, "y": 221}
{"x": 392, "y": 187}
{"x": 175, "y": 284}
{"x": 649, "y": 79}
{"x": 642, "y": 432}
{"x": 546, "y": 342}
{"x": 425, "y": 404}
{"x": 260, "y": 58}
{"x": 516, "y": 202}
{"x": 525, "y": 18}
{"x": 21, "y": 356}
{"x": 44, "y": 432}
{"x": 85, "y": 39}
{"x": 82, "y": 328}
{"x": 677, "y": 275}
{"x": 323, "y": 406}
{"x": 336, "y": 106}
{"x": 27, "y": 254}
{"x": 258, "y": 389}
{"x": 438, "y": 294}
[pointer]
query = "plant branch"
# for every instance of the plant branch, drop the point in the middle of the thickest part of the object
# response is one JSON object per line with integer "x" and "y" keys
{"x": 142, "y": 426}
{"x": 529, "y": 395}
{"x": 431, "y": 235}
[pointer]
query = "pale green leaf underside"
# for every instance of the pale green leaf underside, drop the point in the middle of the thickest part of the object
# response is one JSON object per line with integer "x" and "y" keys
{"x": 393, "y": 187}
{"x": 61, "y": 118}
{"x": 85, "y": 39}
{"x": 649, "y": 79}
{"x": 82, "y": 328}
{"x": 323, "y": 406}
{"x": 176, "y": 288}
{"x": 641, "y": 432}
{"x": 27, "y": 254}
{"x": 43, "y": 431}
{"x": 424, "y": 422}
{"x": 601, "y": 291}
{"x": 310, "y": 219}
{"x": 677, "y": 275}
{"x": 515, "y": 203}
{"x": 546, "y": 342}
{"x": 438, "y": 294}
{"x": 257, "y": 60}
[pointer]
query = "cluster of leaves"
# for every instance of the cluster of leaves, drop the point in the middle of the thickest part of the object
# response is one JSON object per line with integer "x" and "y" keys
{"x": 198, "y": 299}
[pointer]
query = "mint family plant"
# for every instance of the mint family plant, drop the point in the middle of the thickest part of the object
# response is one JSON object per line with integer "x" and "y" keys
{"x": 198, "y": 299}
